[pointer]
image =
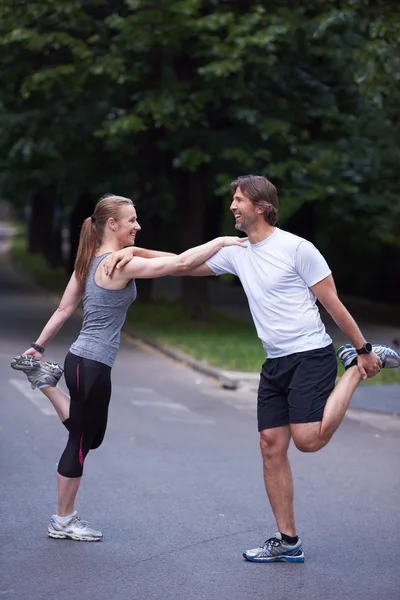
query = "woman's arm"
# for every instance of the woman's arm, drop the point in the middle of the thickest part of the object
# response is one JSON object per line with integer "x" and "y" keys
{"x": 143, "y": 268}
{"x": 68, "y": 304}
{"x": 146, "y": 253}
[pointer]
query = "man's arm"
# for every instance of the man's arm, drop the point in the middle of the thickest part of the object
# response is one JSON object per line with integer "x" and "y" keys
{"x": 180, "y": 264}
{"x": 117, "y": 260}
{"x": 326, "y": 293}
{"x": 200, "y": 271}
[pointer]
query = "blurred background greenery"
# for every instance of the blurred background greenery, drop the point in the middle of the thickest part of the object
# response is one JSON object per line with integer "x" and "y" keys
{"x": 166, "y": 101}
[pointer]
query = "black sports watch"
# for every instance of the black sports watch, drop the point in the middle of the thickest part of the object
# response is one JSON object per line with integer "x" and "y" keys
{"x": 37, "y": 347}
{"x": 366, "y": 348}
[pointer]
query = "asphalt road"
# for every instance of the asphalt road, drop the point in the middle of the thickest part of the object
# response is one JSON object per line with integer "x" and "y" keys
{"x": 177, "y": 488}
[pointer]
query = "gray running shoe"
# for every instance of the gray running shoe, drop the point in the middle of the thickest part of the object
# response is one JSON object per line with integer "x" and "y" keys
{"x": 276, "y": 550}
{"x": 48, "y": 374}
{"x": 25, "y": 362}
{"x": 74, "y": 529}
{"x": 390, "y": 358}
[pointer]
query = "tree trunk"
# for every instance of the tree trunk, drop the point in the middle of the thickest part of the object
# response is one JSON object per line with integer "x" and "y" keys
{"x": 83, "y": 209}
{"x": 302, "y": 222}
{"x": 44, "y": 227}
{"x": 148, "y": 238}
{"x": 191, "y": 190}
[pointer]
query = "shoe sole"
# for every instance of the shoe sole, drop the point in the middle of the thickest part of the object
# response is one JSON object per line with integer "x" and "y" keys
{"x": 64, "y": 536}
{"x": 20, "y": 367}
{"x": 290, "y": 559}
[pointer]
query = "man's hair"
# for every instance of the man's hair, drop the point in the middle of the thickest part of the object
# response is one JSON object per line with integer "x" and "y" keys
{"x": 261, "y": 193}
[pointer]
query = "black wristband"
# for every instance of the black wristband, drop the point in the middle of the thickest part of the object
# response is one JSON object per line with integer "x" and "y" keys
{"x": 37, "y": 347}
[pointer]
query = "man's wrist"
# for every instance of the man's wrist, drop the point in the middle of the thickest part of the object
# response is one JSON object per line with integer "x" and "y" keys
{"x": 366, "y": 348}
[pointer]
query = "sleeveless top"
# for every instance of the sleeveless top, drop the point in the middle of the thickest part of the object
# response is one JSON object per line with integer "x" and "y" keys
{"x": 104, "y": 313}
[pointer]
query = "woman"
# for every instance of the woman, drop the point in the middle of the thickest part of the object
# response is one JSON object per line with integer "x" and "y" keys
{"x": 90, "y": 359}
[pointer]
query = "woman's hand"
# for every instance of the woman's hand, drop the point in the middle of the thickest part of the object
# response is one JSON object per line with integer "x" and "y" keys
{"x": 233, "y": 240}
{"x": 33, "y": 352}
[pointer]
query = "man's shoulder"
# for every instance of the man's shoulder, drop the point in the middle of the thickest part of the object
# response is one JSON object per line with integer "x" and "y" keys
{"x": 290, "y": 238}
{"x": 289, "y": 241}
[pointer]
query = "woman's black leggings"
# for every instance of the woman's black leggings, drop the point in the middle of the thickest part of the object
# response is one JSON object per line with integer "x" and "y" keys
{"x": 89, "y": 384}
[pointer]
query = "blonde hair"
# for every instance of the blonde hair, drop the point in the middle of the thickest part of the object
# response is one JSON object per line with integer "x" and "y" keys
{"x": 92, "y": 232}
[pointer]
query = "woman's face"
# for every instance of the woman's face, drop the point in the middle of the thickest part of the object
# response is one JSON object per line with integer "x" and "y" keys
{"x": 126, "y": 226}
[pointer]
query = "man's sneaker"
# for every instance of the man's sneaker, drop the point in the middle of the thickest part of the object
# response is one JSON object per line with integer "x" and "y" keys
{"x": 276, "y": 550}
{"x": 25, "y": 362}
{"x": 390, "y": 358}
{"x": 74, "y": 529}
{"x": 347, "y": 355}
{"x": 49, "y": 373}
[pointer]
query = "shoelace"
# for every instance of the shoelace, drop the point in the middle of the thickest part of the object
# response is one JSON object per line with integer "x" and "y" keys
{"x": 79, "y": 521}
{"x": 271, "y": 543}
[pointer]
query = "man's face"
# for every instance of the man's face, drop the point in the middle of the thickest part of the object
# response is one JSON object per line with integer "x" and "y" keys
{"x": 244, "y": 211}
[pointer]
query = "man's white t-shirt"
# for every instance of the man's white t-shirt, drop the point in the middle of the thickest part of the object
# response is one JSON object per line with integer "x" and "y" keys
{"x": 276, "y": 275}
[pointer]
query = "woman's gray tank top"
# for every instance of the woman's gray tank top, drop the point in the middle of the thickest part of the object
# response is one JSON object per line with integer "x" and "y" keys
{"x": 104, "y": 313}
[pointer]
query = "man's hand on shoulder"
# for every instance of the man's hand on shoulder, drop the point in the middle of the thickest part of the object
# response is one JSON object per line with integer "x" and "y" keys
{"x": 117, "y": 260}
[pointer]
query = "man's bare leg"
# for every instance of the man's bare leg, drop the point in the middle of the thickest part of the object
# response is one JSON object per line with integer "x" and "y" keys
{"x": 310, "y": 437}
{"x": 59, "y": 399}
{"x": 278, "y": 479}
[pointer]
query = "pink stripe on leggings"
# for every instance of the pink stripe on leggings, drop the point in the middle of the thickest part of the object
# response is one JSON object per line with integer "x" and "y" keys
{"x": 81, "y": 459}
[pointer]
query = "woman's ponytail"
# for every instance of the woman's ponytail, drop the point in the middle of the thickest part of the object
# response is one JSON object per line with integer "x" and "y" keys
{"x": 86, "y": 250}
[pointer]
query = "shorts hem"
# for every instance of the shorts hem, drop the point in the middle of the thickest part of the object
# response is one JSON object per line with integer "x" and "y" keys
{"x": 299, "y": 421}
{"x": 273, "y": 426}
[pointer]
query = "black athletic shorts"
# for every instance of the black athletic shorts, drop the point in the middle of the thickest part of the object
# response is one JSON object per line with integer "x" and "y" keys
{"x": 295, "y": 388}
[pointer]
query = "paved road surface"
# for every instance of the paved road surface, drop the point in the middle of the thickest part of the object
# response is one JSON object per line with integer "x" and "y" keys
{"x": 177, "y": 489}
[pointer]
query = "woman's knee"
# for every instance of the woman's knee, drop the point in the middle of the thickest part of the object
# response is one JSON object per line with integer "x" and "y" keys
{"x": 97, "y": 442}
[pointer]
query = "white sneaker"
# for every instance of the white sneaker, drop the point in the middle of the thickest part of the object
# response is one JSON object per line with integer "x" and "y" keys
{"x": 48, "y": 374}
{"x": 276, "y": 550}
{"x": 74, "y": 529}
{"x": 389, "y": 356}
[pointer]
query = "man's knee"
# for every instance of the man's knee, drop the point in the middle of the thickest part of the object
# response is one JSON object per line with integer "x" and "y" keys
{"x": 308, "y": 444}
{"x": 273, "y": 444}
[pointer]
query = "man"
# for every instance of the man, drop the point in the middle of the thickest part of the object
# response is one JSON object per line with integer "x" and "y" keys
{"x": 283, "y": 275}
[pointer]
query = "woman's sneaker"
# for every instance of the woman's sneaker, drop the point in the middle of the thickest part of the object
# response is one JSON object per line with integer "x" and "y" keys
{"x": 74, "y": 529}
{"x": 48, "y": 374}
{"x": 275, "y": 549}
{"x": 390, "y": 358}
{"x": 40, "y": 373}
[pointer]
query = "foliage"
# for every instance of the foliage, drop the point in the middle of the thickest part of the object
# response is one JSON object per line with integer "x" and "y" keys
{"x": 155, "y": 99}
